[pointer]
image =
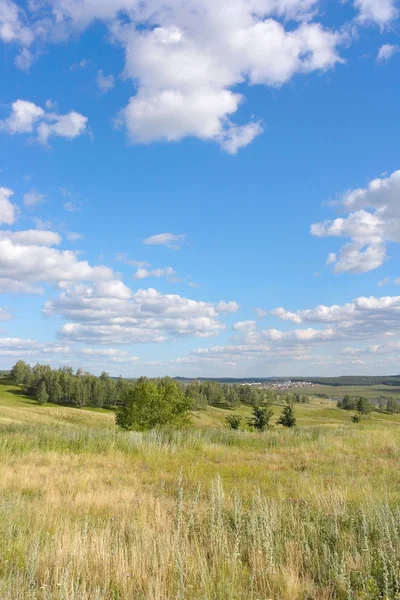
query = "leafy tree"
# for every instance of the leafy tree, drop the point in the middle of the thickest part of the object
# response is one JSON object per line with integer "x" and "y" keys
{"x": 20, "y": 372}
{"x": 42, "y": 395}
{"x": 261, "y": 417}
{"x": 356, "y": 418}
{"x": 364, "y": 406}
{"x": 287, "y": 418}
{"x": 392, "y": 406}
{"x": 149, "y": 405}
{"x": 234, "y": 421}
{"x": 348, "y": 403}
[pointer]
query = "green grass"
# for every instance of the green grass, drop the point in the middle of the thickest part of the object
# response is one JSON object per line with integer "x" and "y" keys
{"x": 88, "y": 512}
{"x": 369, "y": 391}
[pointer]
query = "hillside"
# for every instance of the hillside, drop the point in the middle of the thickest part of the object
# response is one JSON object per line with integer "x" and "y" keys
{"x": 88, "y": 512}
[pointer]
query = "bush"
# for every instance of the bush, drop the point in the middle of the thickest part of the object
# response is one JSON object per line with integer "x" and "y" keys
{"x": 234, "y": 421}
{"x": 356, "y": 418}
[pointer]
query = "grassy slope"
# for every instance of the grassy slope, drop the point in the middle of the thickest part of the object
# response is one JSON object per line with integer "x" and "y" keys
{"x": 369, "y": 391}
{"x": 16, "y": 407}
{"x": 91, "y": 513}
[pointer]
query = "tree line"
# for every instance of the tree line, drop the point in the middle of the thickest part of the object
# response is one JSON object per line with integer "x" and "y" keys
{"x": 144, "y": 403}
{"x": 364, "y": 406}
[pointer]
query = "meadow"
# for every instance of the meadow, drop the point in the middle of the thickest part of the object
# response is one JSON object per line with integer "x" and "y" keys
{"x": 88, "y": 512}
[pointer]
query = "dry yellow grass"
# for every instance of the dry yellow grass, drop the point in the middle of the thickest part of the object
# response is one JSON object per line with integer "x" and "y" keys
{"x": 90, "y": 513}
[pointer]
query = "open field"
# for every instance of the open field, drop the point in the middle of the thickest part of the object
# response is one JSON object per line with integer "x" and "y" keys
{"x": 369, "y": 391}
{"x": 91, "y": 513}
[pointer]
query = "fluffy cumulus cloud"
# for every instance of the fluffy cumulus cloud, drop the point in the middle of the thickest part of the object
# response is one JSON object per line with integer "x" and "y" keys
{"x": 364, "y": 317}
{"x": 373, "y": 220}
{"x": 23, "y": 117}
{"x": 189, "y": 61}
{"x": 33, "y": 351}
{"x": 186, "y": 58}
{"x": 370, "y": 322}
{"x": 386, "y": 52}
{"x": 12, "y": 24}
{"x": 110, "y": 312}
{"x": 29, "y": 259}
{"x": 8, "y": 210}
{"x": 27, "y": 117}
{"x": 381, "y": 12}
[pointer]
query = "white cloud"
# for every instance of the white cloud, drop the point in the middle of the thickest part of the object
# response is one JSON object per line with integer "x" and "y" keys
{"x": 33, "y": 197}
{"x": 23, "y": 117}
{"x": 244, "y": 326}
{"x": 166, "y": 239}
{"x": 105, "y": 83}
{"x": 236, "y": 137}
{"x": 122, "y": 257}
{"x": 188, "y": 62}
{"x": 71, "y": 206}
{"x": 31, "y": 237}
{"x": 386, "y": 52}
{"x": 227, "y": 307}
{"x": 260, "y": 312}
{"x": 75, "y": 237}
{"x": 24, "y": 60}
{"x": 109, "y": 312}
{"x": 143, "y": 273}
{"x": 186, "y": 59}
{"x": 27, "y": 260}
{"x": 12, "y": 28}
{"x": 12, "y": 348}
{"x": 8, "y": 210}
{"x": 380, "y": 12}
{"x": 374, "y": 221}
{"x": 383, "y": 282}
{"x": 67, "y": 126}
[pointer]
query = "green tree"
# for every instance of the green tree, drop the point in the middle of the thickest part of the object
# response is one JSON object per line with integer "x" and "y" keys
{"x": 356, "y": 418}
{"x": 348, "y": 403}
{"x": 364, "y": 406}
{"x": 234, "y": 421}
{"x": 149, "y": 405}
{"x": 42, "y": 396}
{"x": 261, "y": 417}
{"x": 20, "y": 372}
{"x": 287, "y": 418}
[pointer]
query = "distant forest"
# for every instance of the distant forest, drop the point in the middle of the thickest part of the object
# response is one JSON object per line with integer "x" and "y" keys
{"x": 352, "y": 380}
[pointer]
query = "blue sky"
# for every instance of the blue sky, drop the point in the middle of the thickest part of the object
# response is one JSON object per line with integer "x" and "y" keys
{"x": 192, "y": 188}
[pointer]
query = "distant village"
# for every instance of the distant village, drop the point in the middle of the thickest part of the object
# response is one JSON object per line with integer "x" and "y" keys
{"x": 285, "y": 384}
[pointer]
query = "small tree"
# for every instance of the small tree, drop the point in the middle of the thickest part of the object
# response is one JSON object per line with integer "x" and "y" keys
{"x": 42, "y": 395}
{"x": 356, "y": 418}
{"x": 261, "y": 418}
{"x": 148, "y": 405}
{"x": 287, "y": 418}
{"x": 20, "y": 372}
{"x": 364, "y": 406}
{"x": 234, "y": 421}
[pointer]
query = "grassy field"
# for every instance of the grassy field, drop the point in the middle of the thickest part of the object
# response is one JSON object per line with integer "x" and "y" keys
{"x": 369, "y": 391}
{"x": 91, "y": 513}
